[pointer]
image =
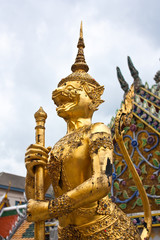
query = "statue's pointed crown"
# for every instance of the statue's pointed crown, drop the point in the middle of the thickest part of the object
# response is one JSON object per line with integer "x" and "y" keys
{"x": 80, "y": 67}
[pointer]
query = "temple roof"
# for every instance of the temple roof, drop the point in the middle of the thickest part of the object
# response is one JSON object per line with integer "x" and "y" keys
{"x": 146, "y": 99}
{"x": 25, "y": 231}
{"x": 13, "y": 224}
{"x": 10, "y": 219}
{"x": 17, "y": 182}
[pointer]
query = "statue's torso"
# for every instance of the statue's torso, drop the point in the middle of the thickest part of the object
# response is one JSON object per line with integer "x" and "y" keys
{"x": 69, "y": 166}
{"x": 70, "y": 154}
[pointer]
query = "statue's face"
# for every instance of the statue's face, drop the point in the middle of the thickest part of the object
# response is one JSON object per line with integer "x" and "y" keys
{"x": 72, "y": 101}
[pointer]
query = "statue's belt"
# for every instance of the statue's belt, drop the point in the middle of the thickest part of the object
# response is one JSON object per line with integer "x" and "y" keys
{"x": 90, "y": 228}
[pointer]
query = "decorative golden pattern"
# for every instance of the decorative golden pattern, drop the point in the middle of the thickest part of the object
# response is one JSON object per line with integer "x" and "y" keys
{"x": 60, "y": 206}
{"x": 99, "y": 140}
{"x": 86, "y": 211}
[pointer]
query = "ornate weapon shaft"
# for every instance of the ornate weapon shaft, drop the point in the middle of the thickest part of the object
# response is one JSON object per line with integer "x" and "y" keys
{"x": 126, "y": 113}
{"x": 40, "y": 117}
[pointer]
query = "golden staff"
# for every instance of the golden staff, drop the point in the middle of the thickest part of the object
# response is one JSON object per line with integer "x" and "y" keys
{"x": 40, "y": 117}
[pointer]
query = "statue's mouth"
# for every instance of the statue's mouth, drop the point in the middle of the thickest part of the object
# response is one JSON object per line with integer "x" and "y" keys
{"x": 64, "y": 99}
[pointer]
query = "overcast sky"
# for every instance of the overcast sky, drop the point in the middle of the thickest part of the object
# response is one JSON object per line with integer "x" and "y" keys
{"x": 38, "y": 41}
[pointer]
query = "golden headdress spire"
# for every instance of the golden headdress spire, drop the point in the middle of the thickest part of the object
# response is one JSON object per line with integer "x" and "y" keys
{"x": 81, "y": 31}
{"x": 80, "y": 63}
{"x": 80, "y": 67}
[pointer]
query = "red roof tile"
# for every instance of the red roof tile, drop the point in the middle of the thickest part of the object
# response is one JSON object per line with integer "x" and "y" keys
{"x": 6, "y": 224}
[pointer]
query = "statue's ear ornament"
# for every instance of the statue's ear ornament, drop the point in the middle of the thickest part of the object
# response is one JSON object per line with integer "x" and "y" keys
{"x": 95, "y": 94}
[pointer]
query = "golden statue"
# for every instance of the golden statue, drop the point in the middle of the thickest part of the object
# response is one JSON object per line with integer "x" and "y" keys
{"x": 79, "y": 166}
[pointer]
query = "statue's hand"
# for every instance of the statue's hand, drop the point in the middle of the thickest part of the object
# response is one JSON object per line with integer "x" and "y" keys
{"x": 37, "y": 211}
{"x": 36, "y": 155}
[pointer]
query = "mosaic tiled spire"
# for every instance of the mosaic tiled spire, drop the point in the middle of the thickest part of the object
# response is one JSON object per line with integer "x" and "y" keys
{"x": 135, "y": 75}
{"x": 122, "y": 81}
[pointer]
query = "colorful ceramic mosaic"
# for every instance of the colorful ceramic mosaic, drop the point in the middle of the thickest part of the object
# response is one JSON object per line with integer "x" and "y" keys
{"x": 142, "y": 142}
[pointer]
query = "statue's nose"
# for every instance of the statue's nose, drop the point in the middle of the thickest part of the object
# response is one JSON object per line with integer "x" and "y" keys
{"x": 57, "y": 91}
